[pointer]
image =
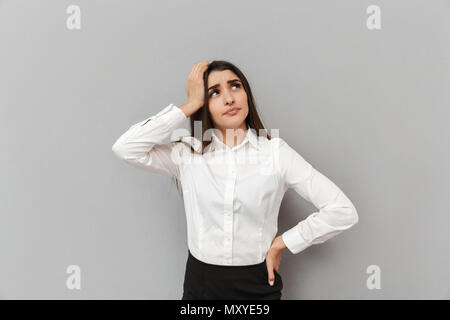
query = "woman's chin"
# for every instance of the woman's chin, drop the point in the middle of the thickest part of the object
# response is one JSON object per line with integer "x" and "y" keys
{"x": 233, "y": 122}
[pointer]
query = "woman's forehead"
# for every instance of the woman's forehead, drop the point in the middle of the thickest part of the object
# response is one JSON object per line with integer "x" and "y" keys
{"x": 221, "y": 75}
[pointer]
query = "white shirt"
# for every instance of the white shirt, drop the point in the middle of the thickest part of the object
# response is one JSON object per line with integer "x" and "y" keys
{"x": 231, "y": 200}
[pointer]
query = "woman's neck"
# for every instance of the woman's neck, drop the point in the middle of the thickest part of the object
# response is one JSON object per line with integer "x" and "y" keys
{"x": 236, "y": 135}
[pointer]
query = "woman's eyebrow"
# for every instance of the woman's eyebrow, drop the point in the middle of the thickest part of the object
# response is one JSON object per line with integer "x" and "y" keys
{"x": 218, "y": 85}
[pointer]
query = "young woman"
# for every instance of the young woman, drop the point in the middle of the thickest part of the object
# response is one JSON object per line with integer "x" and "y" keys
{"x": 233, "y": 179}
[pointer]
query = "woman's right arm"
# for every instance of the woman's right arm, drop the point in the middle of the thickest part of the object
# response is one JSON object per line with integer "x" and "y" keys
{"x": 142, "y": 144}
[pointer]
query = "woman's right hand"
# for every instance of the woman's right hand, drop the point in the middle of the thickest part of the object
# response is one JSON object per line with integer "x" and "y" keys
{"x": 196, "y": 86}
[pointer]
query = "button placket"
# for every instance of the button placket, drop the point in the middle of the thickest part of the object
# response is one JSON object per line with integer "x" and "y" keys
{"x": 228, "y": 208}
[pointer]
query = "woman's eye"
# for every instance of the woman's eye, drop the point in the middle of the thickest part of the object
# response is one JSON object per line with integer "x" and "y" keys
{"x": 233, "y": 85}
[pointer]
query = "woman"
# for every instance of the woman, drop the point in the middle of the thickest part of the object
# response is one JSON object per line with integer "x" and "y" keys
{"x": 233, "y": 180}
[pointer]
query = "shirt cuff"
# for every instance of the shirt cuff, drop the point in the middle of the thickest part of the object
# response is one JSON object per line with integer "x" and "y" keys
{"x": 294, "y": 241}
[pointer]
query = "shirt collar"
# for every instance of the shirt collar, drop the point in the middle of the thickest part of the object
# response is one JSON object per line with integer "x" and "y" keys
{"x": 250, "y": 137}
{"x": 196, "y": 144}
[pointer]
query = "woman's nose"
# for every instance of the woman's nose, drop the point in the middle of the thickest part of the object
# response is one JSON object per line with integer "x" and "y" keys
{"x": 228, "y": 98}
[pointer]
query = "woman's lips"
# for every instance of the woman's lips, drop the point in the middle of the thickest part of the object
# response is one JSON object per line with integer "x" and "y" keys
{"x": 232, "y": 111}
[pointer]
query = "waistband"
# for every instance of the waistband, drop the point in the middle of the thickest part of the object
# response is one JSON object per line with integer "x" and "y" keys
{"x": 222, "y": 267}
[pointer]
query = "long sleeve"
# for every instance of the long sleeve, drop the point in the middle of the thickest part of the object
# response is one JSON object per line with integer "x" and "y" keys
{"x": 142, "y": 144}
{"x": 336, "y": 212}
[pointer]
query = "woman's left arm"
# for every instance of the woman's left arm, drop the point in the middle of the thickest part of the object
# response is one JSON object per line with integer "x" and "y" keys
{"x": 335, "y": 214}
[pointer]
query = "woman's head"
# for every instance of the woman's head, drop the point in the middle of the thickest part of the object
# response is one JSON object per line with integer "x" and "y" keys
{"x": 226, "y": 92}
{"x": 226, "y": 87}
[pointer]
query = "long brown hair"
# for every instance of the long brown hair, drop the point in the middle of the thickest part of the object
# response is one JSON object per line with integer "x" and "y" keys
{"x": 203, "y": 114}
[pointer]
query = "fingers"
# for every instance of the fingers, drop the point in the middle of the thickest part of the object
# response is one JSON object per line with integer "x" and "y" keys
{"x": 198, "y": 69}
{"x": 193, "y": 73}
{"x": 195, "y": 82}
{"x": 202, "y": 66}
{"x": 271, "y": 274}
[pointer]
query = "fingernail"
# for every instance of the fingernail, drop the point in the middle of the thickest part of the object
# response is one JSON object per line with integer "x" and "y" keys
{"x": 271, "y": 283}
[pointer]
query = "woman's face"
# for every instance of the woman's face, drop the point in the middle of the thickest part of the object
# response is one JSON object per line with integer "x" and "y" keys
{"x": 225, "y": 91}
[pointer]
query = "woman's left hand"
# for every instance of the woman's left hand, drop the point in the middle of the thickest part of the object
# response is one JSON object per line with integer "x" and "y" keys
{"x": 273, "y": 258}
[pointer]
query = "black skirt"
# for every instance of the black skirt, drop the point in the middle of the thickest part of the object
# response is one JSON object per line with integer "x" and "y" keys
{"x": 204, "y": 281}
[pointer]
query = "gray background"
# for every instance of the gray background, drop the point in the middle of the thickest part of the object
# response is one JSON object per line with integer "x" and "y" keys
{"x": 369, "y": 109}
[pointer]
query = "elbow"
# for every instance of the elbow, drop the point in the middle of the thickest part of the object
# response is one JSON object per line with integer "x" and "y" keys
{"x": 354, "y": 218}
{"x": 351, "y": 214}
{"x": 346, "y": 217}
{"x": 118, "y": 150}
{"x": 126, "y": 152}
